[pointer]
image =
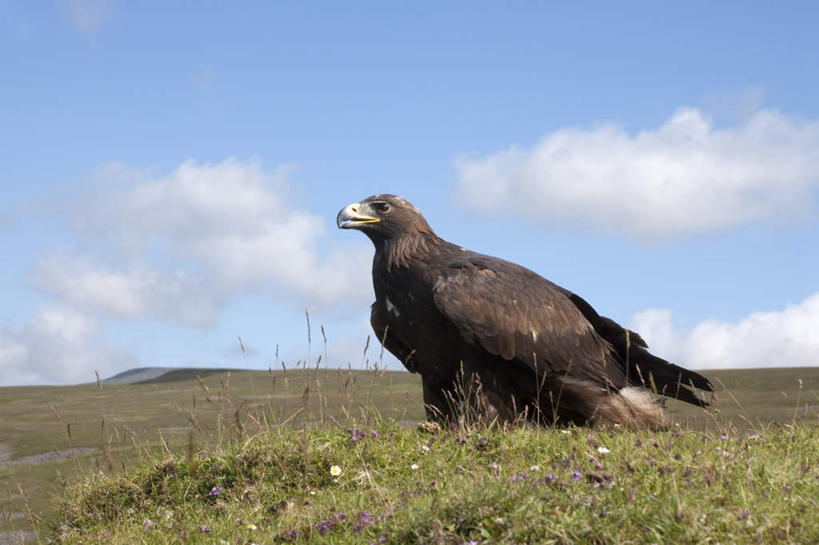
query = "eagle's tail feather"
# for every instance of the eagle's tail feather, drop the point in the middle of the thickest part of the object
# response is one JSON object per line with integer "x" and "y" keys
{"x": 666, "y": 378}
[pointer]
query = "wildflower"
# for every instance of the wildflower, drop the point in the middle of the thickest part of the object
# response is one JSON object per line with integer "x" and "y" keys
{"x": 575, "y": 475}
{"x": 355, "y": 434}
{"x": 414, "y": 466}
{"x": 324, "y": 527}
{"x": 335, "y": 471}
{"x": 425, "y": 448}
{"x": 534, "y": 468}
{"x": 365, "y": 517}
{"x": 461, "y": 440}
{"x": 723, "y": 437}
{"x": 251, "y": 526}
{"x": 147, "y": 524}
{"x": 603, "y": 450}
{"x": 215, "y": 491}
{"x": 550, "y": 477}
{"x": 204, "y": 529}
{"x": 313, "y": 492}
{"x": 374, "y": 433}
{"x": 494, "y": 465}
{"x": 743, "y": 514}
{"x": 565, "y": 432}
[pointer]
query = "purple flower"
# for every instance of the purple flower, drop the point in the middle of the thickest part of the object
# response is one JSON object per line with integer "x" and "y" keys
{"x": 723, "y": 437}
{"x": 215, "y": 491}
{"x": 462, "y": 440}
{"x": 365, "y": 517}
{"x": 355, "y": 434}
{"x": 575, "y": 475}
{"x": 204, "y": 529}
{"x": 550, "y": 477}
{"x": 743, "y": 514}
{"x": 374, "y": 433}
{"x": 147, "y": 524}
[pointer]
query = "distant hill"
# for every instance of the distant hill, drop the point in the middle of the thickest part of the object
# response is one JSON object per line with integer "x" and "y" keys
{"x": 137, "y": 374}
{"x": 149, "y": 375}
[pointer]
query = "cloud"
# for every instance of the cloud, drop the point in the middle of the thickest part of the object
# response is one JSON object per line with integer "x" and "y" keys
{"x": 786, "y": 337}
{"x": 128, "y": 293}
{"x": 58, "y": 345}
{"x": 87, "y": 15}
{"x": 685, "y": 177}
{"x": 180, "y": 246}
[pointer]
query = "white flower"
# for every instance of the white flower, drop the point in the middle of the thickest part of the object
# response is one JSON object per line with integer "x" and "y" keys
{"x": 425, "y": 448}
{"x": 565, "y": 432}
{"x": 534, "y": 468}
{"x": 603, "y": 450}
{"x": 312, "y": 492}
{"x": 414, "y": 466}
{"x": 251, "y": 526}
{"x": 335, "y": 471}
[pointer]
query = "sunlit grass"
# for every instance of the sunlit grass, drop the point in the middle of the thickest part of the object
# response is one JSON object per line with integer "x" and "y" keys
{"x": 382, "y": 482}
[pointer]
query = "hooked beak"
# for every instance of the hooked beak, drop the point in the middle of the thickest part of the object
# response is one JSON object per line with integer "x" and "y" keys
{"x": 354, "y": 215}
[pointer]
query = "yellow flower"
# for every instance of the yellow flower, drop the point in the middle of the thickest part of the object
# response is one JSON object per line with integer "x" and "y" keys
{"x": 335, "y": 471}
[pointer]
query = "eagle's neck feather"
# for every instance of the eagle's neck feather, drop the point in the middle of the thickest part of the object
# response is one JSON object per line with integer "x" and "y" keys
{"x": 402, "y": 251}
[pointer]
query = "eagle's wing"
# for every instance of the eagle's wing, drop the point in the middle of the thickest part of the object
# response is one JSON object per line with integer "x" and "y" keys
{"x": 518, "y": 315}
{"x": 390, "y": 341}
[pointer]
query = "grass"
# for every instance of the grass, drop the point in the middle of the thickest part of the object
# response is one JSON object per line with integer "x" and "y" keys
{"x": 211, "y": 426}
{"x": 400, "y": 485}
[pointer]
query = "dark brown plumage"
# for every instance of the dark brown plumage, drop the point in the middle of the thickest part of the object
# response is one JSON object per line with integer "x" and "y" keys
{"x": 509, "y": 341}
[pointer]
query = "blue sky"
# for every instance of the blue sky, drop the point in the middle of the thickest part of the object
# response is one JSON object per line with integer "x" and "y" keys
{"x": 172, "y": 171}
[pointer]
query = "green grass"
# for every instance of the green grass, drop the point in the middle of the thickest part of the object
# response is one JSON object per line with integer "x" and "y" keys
{"x": 521, "y": 485}
{"x": 135, "y": 427}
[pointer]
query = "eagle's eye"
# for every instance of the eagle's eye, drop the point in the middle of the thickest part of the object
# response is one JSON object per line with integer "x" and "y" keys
{"x": 381, "y": 207}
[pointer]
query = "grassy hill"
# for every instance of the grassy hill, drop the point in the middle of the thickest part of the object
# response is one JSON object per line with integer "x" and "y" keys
{"x": 112, "y": 430}
{"x": 384, "y": 483}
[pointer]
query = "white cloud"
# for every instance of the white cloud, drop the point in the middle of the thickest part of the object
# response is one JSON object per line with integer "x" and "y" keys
{"x": 87, "y": 15}
{"x": 685, "y": 177}
{"x": 128, "y": 292}
{"x": 763, "y": 339}
{"x": 182, "y": 245}
{"x": 58, "y": 345}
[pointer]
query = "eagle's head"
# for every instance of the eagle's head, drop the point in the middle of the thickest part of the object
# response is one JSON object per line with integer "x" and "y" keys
{"x": 383, "y": 217}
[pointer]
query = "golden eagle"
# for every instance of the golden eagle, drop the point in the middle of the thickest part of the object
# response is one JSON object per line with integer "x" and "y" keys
{"x": 525, "y": 347}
